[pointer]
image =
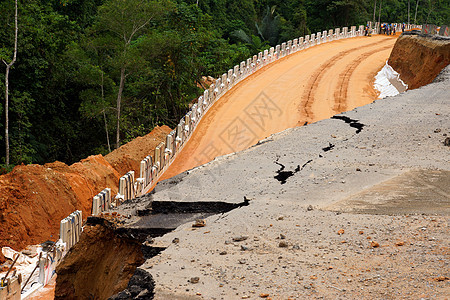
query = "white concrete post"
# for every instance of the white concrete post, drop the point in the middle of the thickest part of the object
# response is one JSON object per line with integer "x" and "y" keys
{"x": 300, "y": 43}
{"x": 277, "y": 52}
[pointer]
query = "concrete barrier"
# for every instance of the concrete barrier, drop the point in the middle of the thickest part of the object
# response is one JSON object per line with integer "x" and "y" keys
{"x": 312, "y": 40}
{"x": 229, "y": 79}
{"x": 277, "y": 52}
{"x": 236, "y": 74}
{"x": 324, "y": 36}
{"x": 345, "y": 32}
{"x": 429, "y": 29}
{"x": 47, "y": 264}
{"x": 318, "y": 38}
{"x": 102, "y": 201}
{"x": 361, "y": 30}
{"x": 301, "y": 44}
{"x": 146, "y": 174}
{"x": 70, "y": 229}
{"x": 126, "y": 188}
{"x": 443, "y": 31}
{"x": 169, "y": 149}
{"x": 223, "y": 84}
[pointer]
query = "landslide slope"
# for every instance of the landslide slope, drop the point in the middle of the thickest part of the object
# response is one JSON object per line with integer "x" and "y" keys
{"x": 35, "y": 198}
{"x": 419, "y": 58}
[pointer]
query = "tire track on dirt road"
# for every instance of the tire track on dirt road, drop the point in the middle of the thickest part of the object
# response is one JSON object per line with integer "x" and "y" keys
{"x": 340, "y": 95}
{"x": 307, "y": 77}
{"x": 307, "y": 115}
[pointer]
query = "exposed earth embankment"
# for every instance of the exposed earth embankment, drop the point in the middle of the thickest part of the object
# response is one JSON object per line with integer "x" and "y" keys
{"x": 100, "y": 265}
{"x": 420, "y": 58}
{"x": 35, "y": 198}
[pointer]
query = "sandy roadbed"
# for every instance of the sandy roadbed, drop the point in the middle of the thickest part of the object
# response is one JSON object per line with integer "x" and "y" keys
{"x": 308, "y": 86}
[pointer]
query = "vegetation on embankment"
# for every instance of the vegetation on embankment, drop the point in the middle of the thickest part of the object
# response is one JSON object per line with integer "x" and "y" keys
{"x": 78, "y": 59}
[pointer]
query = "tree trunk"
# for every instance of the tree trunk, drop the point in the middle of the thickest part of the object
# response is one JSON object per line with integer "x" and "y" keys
{"x": 119, "y": 99}
{"x": 104, "y": 115}
{"x": 8, "y": 67}
{"x": 409, "y": 9}
{"x": 7, "y": 114}
{"x": 374, "y": 12}
{"x": 379, "y": 16}
{"x": 415, "y": 15}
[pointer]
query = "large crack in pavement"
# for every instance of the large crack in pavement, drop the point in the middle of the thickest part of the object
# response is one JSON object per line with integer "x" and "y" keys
{"x": 282, "y": 176}
{"x": 353, "y": 123}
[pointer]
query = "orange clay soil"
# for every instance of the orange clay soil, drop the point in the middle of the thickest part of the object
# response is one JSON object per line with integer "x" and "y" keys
{"x": 35, "y": 198}
{"x": 128, "y": 157}
{"x": 307, "y": 86}
{"x": 434, "y": 56}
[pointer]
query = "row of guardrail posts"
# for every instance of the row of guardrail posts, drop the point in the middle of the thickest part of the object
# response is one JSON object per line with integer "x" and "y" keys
{"x": 50, "y": 255}
{"x": 151, "y": 167}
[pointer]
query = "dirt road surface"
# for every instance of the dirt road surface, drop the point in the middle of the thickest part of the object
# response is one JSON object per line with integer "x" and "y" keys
{"x": 307, "y": 86}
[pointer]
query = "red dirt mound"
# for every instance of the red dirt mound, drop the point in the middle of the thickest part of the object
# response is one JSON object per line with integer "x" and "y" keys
{"x": 34, "y": 198}
{"x": 98, "y": 266}
{"x": 128, "y": 157}
{"x": 419, "y": 59}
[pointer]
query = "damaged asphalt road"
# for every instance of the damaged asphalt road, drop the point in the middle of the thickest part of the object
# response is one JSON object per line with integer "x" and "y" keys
{"x": 290, "y": 250}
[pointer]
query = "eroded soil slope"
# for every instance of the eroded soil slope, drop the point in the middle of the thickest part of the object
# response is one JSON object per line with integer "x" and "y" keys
{"x": 129, "y": 156}
{"x": 101, "y": 256}
{"x": 35, "y": 198}
{"x": 419, "y": 59}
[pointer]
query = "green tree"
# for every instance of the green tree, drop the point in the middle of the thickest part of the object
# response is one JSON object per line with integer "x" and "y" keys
{"x": 122, "y": 24}
{"x": 9, "y": 64}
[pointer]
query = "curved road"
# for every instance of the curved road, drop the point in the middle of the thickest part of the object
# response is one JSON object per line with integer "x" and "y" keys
{"x": 307, "y": 86}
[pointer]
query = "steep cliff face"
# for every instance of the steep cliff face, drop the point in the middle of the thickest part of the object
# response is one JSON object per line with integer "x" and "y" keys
{"x": 419, "y": 58}
{"x": 100, "y": 265}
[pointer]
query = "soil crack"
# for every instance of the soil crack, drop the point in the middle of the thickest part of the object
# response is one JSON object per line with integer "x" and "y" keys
{"x": 353, "y": 123}
{"x": 329, "y": 147}
{"x": 282, "y": 176}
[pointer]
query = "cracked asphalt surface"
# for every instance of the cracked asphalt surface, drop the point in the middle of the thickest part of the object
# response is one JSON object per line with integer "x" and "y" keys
{"x": 367, "y": 218}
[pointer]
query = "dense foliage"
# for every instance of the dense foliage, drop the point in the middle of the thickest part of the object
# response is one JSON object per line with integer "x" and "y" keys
{"x": 86, "y": 68}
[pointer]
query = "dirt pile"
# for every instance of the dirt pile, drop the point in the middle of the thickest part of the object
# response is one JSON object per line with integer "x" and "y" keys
{"x": 419, "y": 58}
{"x": 128, "y": 157}
{"x": 34, "y": 198}
{"x": 100, "y": 265}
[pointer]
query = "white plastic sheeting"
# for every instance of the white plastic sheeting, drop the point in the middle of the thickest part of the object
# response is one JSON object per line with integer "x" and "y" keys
{"x": 385, "y": 80}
